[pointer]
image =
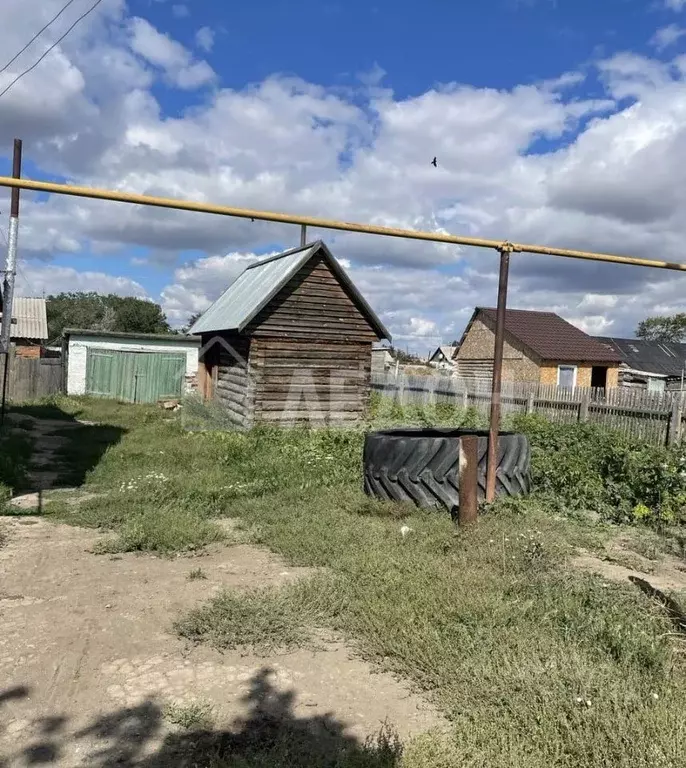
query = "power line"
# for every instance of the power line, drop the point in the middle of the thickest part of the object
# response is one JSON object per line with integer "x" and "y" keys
{"x": 36, "y": 36}
{"x": 51, "y": 48}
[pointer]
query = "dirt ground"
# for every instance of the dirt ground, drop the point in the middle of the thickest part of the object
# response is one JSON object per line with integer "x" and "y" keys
{"x": 620, "y": 563}
{"x": 88, "y": 658}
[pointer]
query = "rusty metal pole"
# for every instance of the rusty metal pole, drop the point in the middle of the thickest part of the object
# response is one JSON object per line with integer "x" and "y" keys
{"x": 303, "y": 235}
{"x": 10, "y": 275}
{"x": 468, "y": 485}
{"x": 497, "y": 372}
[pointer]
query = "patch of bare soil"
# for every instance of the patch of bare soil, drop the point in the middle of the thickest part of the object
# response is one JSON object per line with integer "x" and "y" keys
{"x": 88, "y": 660}
{"x": 618, "y": 563}
{"x": 45, "y": 470}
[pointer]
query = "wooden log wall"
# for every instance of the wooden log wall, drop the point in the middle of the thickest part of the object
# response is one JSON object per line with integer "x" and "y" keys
{"x": 310, "y": 382}
{"x": 232, "y": 381}
{"x": 310, "y": 352}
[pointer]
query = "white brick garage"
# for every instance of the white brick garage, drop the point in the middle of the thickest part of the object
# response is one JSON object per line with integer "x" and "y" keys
{"x": 130, "y": 367}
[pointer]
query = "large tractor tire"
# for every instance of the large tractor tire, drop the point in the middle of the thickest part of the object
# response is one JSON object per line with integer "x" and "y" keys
{"x": 421, "y": 465}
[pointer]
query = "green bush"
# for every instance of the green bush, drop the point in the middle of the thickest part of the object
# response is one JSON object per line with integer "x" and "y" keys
{"x": 583, "y": 467}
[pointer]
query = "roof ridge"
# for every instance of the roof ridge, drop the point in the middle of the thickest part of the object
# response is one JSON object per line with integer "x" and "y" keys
{"x": 254, "y": 288}
{"x": 528, "y": 311}
{"x": 282, "y": 254}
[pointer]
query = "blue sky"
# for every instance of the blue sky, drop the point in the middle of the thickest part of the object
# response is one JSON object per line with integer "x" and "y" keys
{"x": 493, "y": 43}
{"x": 553, "y": 121}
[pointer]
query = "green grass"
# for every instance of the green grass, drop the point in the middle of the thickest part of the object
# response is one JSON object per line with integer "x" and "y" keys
{"x": 502, "y": 637}
{"x": 505, "y": 639}
{"x": 317, "y": 742}
{"x": 152, "y": 528}
{"x": 197, "y": 574}
{"x": 263, "y": 619}
{"x": 195, "y": 715}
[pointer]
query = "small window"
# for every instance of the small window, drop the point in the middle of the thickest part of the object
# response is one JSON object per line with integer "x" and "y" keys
{"x": 566, "y": 376}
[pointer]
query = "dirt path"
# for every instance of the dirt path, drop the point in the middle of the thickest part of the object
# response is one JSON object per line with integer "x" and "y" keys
{"x": 618, "y": 562}
{"x": 45, "y": 472}
{"x": 88, "y": 659}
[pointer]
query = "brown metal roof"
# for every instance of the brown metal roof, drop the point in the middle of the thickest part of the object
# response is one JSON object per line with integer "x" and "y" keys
{"x": 552, "y": 338}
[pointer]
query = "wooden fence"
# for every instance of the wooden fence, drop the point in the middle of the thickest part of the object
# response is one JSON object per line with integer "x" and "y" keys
{"x": 656, "y": 417}
{"x": 32, "y": 378}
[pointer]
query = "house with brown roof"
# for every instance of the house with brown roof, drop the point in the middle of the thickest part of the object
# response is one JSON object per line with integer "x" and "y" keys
{"x": 539, "y": 347}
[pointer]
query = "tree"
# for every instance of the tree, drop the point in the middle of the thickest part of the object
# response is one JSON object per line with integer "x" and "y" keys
{"x": 191, "y": 321}
{"x": 99, "y": 312}
{"x": 405, "y": 356}
{"x": 663, "y": 328}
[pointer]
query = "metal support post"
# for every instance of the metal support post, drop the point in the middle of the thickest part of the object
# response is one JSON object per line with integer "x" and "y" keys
{"x": 468, "y": 486}
{"x": 10, "y": 274}
{"x": 496, "y": 388}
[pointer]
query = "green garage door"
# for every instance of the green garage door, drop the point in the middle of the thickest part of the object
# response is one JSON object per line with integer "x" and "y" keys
{"x": 136, "y": 377}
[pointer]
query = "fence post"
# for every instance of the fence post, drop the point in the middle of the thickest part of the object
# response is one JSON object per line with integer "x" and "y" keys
{"x": 401, "y": 389}
{"x": 467, "y": 485}
{"x": 673, "y": 432}
{"x": 530, "y": 402}
{"x": 465, "y": 397}
{"x": 583, "y": 406}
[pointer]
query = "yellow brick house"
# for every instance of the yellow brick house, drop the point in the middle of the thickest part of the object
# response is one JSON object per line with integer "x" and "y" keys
{"x": 540, "y": 347}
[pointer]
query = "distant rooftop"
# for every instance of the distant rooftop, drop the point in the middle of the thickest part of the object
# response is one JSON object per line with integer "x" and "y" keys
{"x": 553, "y": 338}
{"x": 31, "y": 319}
{"x": 660, "y": 357}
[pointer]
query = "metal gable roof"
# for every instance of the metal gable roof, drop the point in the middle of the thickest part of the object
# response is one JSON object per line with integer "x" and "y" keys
{"x": 252, "y": 290}
{"x": 651, "y": 357}
{"x": 31, "y": 318}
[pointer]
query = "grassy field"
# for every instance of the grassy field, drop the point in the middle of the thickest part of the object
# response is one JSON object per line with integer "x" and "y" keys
{"x": 533, "y": 663}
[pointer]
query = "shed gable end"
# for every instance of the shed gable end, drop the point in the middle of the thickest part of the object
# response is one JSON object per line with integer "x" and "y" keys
{"x": 313, "y": 304}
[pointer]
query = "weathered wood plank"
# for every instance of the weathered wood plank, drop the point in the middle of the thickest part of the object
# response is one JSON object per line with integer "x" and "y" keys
{"x": 301, "y": 309}
{"x": 331, "y": 352}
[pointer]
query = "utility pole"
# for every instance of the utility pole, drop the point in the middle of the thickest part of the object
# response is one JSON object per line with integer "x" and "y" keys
{"x": 492, "y": 463}
{"x": 10, "y": 274}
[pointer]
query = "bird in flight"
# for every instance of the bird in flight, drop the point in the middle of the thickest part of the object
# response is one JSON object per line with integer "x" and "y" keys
{"x": 434, "y": 162}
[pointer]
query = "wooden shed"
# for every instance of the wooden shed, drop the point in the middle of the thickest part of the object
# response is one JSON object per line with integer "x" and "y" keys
{"x": 289, "y": 341}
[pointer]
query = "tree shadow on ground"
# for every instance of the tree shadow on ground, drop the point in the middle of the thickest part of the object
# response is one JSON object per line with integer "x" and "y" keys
{"x": 270, "y": 736}
{"x": 64, "y": 450}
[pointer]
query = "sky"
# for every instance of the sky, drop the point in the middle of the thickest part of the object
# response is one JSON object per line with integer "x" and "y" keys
{"x": 559, "y": 122}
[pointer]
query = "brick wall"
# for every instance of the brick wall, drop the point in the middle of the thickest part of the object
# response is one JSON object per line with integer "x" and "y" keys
{"x": 517, "y": 364}
{"x": 583, "y": 374}
{"x": 29, "y": 351}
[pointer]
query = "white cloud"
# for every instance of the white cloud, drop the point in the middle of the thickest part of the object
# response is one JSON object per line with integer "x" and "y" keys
{"x": 168, "y": 55}
{"x": 675, "y": 5}
{"x": 180, "y": 11}
{"x": 616, "y": 180}
{"x": 667, "y": 36}
{"x": 198, "y": 284}
{"x": 204, "y": 39}
{"x": 36, "y": 280}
